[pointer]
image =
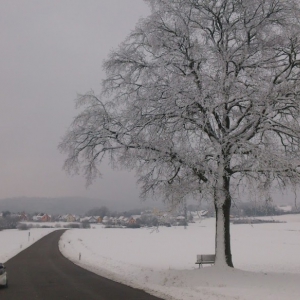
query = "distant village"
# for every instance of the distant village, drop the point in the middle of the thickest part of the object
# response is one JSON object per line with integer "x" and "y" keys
{"x": 134, "y": 218}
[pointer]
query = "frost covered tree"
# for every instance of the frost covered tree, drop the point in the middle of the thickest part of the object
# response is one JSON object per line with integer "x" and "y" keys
{"x": 202, "y": 98}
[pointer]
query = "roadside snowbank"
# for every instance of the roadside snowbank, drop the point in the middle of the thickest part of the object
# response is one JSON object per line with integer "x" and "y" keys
{"x": 13, "y": 241}
{"x": 163, "y": 262}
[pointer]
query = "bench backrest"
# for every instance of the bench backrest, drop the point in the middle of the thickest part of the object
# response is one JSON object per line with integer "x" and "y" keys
{"x": 206, "y": 257}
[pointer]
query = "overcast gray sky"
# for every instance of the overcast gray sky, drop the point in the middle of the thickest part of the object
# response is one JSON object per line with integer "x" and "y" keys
{"x": 50, "y": 51}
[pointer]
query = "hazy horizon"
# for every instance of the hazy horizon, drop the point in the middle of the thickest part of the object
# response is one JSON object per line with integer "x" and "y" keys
{"x": 67, "y": 205}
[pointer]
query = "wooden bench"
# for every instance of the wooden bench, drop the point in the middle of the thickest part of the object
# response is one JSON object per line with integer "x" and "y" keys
{"x": 203, "y": 259}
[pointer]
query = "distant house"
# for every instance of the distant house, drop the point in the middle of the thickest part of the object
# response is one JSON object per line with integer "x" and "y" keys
{"x": 84, "y": 219}
{"x": 37, "y": 217}
{"x": 24, "y": 217}
{"x": 121, "y": 220}
{"x": 132, "y": 221}
{"x": 42, "y": 218}
{"x": 46, "y": 218}
{"x": 93, "y": 220}
{"x": 98, "y": 219}
{"x": 135, "y": 219}
{"x": 90, "y": 219}
{"x": 105, "y": 220}
{"x": 70, "y": 218}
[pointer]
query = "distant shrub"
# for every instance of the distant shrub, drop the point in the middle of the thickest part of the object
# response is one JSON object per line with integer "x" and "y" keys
{"x": 9, "y": 222}
{"x": 72, "y": 225}
{"x": 85, "y": 225}
{"x": 165, "y": 224}
{"x": 133, "y": 226}
{"x": 113, "y": 226}
{"x": 23, "y": 226}
{"x": 255, "y": 221}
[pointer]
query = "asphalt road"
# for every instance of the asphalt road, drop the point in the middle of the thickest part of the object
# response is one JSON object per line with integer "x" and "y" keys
{"x": 40, "y": 272}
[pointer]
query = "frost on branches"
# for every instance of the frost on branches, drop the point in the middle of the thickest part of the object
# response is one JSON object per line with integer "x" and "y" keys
{"x": 203, "y": 96}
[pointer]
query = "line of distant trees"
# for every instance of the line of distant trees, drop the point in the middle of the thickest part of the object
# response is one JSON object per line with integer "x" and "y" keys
{"x": 255, "y": 209}
{"x": 246, "y": 209}
{"x": 8, "y": 221}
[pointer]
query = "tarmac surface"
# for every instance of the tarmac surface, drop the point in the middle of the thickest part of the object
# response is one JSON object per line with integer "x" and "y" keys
{"x": 41, "y": 272}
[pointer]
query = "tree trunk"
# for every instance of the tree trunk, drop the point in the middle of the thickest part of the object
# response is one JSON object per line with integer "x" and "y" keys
{"x": 222, "y": 203}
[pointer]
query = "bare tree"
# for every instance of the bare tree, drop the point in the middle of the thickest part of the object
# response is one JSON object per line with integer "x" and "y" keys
{"x": 98, "y": 211}
{"x": 201, "y": 99}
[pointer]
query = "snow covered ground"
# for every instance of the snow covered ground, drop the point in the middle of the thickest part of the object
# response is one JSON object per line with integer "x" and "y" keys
{"x": 266, "y": 258}
{"x": 13, "y": 241}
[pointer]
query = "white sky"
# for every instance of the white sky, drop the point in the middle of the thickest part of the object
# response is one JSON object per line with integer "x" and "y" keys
{"x": 50, "y": 51}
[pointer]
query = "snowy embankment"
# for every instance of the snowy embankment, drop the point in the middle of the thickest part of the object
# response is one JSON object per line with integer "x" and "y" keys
{"x": 266, "y": 257}
{"x": 13, "y": 241}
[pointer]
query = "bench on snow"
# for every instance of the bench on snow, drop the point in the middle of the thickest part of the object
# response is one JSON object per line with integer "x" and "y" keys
{"x": 203, "y": 259}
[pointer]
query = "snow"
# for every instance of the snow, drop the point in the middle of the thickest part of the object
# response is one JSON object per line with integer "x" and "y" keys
{"x": 13, "y": 241}
{"x": 162, "y": 262}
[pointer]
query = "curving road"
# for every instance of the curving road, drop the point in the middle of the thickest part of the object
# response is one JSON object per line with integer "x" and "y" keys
{"x": 40, "y": 272}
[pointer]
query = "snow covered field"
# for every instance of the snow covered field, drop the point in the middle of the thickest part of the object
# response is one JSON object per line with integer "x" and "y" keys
{"x": 13, "y": 241}
{"x": 266, "y": 258}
